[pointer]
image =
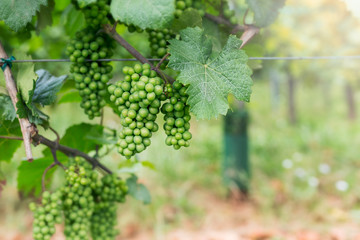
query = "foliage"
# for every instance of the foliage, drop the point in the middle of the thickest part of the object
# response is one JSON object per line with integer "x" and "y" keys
{"x": 17, "y": 14}
{"x": 210, "y": 78}
{"x": 154, "y": 14}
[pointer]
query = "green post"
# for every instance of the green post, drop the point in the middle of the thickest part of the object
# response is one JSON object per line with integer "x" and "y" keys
{"x": 236, "y": 167}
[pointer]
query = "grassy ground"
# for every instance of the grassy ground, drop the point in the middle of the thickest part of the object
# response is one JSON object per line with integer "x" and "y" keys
{"x": 304, "y": 176}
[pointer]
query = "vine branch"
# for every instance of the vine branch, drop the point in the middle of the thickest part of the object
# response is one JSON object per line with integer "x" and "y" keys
{"x": 162, "y": 60}
{"x": 12, "y": 138}
{"x": 44, "y": 175}
{"x": 112, "y": 32}
{"x": 222, "y": 20}
{"x": 68, "y": 151}
{"x": 249, "y": 30}
{"x": 27, "y": 129}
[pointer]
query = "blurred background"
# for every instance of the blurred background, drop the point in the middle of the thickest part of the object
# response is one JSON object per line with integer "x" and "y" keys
{"x": 284, "y": 166}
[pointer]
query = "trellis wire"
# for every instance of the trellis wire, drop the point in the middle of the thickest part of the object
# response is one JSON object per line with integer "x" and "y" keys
{"x": 158, "y": 59}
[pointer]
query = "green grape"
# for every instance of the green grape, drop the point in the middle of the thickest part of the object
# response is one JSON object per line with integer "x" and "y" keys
{"x": 132, "y": 28}
{"x": 159, "y": 41}
{"x": 46, "y": 215}
{"x": 177, "y": 116}
{"x": 90, "y": 77}
{"x": 138, "y": 100}
{"x": 183, "y": 5}
{"x": 230, "y": 15}
{"x": 96, "y": 14}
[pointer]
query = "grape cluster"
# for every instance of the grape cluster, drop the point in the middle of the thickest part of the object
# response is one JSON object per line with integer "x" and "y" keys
{"x": 182, "y": 5}
{"x": 90, "y": 77}
{"x": 138, "y": 100}
{"x": 78, "y": 201}
{"x": 158, "y": 41}
{"x": 87, "y": 202}
{"x": 107, "y": 192}
{"x": 177, "y": 116}
{"x": 46, "y": 216}
{"x": 96, "y": 14}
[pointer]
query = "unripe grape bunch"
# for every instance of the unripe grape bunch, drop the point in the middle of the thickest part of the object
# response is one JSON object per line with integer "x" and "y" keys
{"x": 138, "y": 100}
{"x": 158, "y": 40}
{"x": 87, "y": 202}
{"x": 46, "y": 216}
{"x": 90, "y": 77}
{"x": 96, "y": 13}
{"x": 177, "y": 116}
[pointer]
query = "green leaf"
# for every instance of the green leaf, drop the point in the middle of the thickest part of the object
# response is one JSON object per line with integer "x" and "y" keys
{"x": 154, "y": 14}
{"x": 76, "y": 137}
{"x": 212, "y": 77}
{"x": 84, "y": 3}
{"x": 17, "y": 14}
{"x": 9, "y": 147}
{"x": 70, "y": 96}
{"x": 26, "y": 77}
{"x": 148, "y": 165}
{"x": 30, "y": 174}
{"x": 44, "y": 16}
{"x": 216, "y": 33}
{"x": 7, "y": 109}
{"x": 189, "y": 18}
{"x": 73, "y": 20}
{"x": 31, "y": 112}
{"x": 138, "y": 190}
{"x": 101, "y": 137}
{"x": 265, "y": 11}
{"x": 47, "y": 86}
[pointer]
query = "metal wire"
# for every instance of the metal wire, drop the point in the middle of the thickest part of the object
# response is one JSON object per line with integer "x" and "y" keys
{"x": 158, "y": 59}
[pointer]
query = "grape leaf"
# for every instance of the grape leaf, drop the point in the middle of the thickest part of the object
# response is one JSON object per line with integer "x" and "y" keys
{"x": 31, "y": 112}
{"x": 47, "y": 86}
{"x": 70, "y": 96}
{"x": 84, "y": 3}
{"x": 7, "y": 110}
{"x": 265, "y": 11}
{"x": 211, "y": 77}
{"x": 8, "y": 147}
{"x": 189, "y": 18}
{"x": 30, "y": 174}
{"x": 73, "y": 20}
{"x": 75, "y": 138}
{"x": 17, "y": 14}
{"x": 25, "y": 77}
{"x": 44, "y": 17}
{"x": 138, "y": 190}
{"x": 154, "y": 14}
